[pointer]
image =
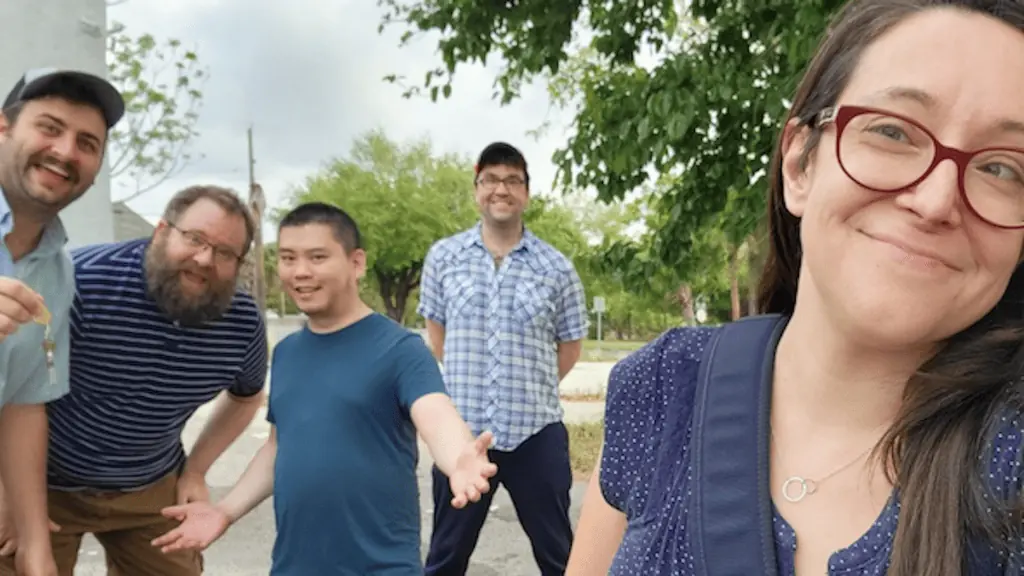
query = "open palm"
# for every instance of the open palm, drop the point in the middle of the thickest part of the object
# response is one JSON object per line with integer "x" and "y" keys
{"x": 201, "y": 524}
{"x": 473, "y": 472}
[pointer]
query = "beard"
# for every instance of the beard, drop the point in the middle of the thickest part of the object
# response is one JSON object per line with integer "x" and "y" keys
{"x": 163, "y": 284}
{"x": 16, "y": 166}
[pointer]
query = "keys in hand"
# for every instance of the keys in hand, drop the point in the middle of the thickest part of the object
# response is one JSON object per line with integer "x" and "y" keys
{"x": 19, "y": 305}
{"x": 49, "y": 346}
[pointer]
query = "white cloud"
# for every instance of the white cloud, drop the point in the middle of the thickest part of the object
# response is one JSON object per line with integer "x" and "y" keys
{"x": 308, "y": 75}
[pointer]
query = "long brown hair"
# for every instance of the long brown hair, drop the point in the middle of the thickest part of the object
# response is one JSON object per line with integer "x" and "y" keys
{"x": 934, "y": 453}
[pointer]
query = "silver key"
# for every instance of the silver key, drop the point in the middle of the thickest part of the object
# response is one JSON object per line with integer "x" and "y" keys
{"x": 50, "y": 349}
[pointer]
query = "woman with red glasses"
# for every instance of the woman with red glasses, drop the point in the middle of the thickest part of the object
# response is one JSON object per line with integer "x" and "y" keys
{"x": 890, "y": 441}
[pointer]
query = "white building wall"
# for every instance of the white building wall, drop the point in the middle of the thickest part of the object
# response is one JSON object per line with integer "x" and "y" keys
{"x": 61, "y": 34}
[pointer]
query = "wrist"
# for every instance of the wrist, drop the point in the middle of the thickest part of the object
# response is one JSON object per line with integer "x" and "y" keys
{"x": 190, "y": 470}
{"x": 35, "y": 537}
{"x": 232, "y": 512}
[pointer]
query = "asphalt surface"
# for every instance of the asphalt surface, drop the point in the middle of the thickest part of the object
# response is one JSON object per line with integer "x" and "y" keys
{"x": 503, "y": 549}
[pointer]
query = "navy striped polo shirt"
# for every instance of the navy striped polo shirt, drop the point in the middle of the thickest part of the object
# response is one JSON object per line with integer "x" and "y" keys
{"x": 137, "y": 376}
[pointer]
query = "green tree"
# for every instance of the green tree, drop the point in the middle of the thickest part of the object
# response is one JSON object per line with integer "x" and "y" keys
{"x": 161, "y": 83}
{"x": 706, "y": 113}
{"x": 404, "y": 198}
{"x": 636, "y": 308}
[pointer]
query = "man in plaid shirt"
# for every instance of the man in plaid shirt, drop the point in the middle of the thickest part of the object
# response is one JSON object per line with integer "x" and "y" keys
{"x": 506, "y": 315}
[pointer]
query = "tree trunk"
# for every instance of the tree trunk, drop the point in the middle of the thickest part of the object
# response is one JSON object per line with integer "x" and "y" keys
{"x": 395, "y": 289}
{"x": 386, "y": 284}
{"x": 685, "y": 296}
{"x": 734, "y": 282}
{"x": 757, "y": 252}
{"x": 752, "y": 297}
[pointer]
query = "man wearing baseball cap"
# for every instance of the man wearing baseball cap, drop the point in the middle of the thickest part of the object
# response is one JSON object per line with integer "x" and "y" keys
{"x": 506, "y": 315}
{"x": 53, "y": 136}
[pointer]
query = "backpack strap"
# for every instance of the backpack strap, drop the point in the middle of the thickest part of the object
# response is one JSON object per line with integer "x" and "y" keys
{"x": 730, "y": 432}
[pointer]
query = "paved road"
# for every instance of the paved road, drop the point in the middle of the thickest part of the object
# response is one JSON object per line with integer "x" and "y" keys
{"x": 245, "y": 550}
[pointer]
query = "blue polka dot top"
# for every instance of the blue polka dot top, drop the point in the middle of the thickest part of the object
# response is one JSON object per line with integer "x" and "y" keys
{"x": 645, "y": 469}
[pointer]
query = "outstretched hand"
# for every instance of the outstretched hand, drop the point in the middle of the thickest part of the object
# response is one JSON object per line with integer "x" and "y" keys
{"x": 201, "y": 524}
{"x": 473, "y": 472}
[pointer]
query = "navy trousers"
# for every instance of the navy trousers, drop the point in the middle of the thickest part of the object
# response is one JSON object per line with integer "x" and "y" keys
{"x": 538, "y": 478}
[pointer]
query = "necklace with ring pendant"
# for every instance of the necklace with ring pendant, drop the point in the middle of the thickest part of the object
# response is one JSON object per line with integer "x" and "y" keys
{"x": 804, "y": 487}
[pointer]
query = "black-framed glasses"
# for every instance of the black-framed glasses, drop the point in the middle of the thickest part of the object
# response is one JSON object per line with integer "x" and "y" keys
{"x": 886, "y": 152}
{"x": 196, "y": 241}
{"x": 491, "y": 182}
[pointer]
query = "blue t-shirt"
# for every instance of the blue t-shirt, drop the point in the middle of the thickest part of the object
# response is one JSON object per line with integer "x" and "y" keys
{"x": 346, "y": 499}
{"x": 646, "y": 473}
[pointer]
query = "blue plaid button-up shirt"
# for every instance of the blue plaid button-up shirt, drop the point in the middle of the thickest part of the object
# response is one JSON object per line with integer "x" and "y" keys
{"x": 502, "y": 327}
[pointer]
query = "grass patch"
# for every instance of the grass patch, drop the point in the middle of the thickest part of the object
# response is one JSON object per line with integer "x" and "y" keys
{"x": 624, "y": 345}
{"x": 584, "y": 444}
{"x": 608, "y": 350}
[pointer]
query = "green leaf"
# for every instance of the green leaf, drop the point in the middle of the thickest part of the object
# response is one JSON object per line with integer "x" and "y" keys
{"x": 160, "y": 82}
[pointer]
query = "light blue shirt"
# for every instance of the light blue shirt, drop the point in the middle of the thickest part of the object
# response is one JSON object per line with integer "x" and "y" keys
{"x": 502, "y": 329}
{"x": 24, "y": 375}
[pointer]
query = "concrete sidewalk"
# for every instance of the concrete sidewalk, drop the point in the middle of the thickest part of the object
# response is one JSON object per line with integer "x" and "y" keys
{"x": 503, "y": 549}
{"x": 587, "y": 378}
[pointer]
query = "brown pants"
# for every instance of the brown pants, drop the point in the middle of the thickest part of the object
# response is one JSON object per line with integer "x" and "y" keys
{"x": 124, "y": 523}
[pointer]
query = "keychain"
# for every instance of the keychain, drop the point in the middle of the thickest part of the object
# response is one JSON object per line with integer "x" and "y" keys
{"x": 49, "y": 346}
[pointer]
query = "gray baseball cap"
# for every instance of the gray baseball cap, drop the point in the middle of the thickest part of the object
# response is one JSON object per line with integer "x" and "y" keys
{"x": 41, "y": 82}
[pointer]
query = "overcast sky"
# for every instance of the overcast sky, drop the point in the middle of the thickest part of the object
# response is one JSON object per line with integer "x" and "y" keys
{"x": 307, "y": 74}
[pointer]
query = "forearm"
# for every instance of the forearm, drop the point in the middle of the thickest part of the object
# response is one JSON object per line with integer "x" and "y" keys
{"x": 598, "y": 535}
{"x": 24, "y": 431}
{"x": 564, "y": 367}
{"x": 568, "y": 354}
{"x": 446, "y": 437}
{"x": 435, "y": 337}
{"x": 231, "y": 416}
{"x": 255, "y": 485}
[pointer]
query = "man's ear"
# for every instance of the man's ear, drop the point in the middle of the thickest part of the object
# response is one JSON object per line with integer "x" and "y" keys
{"x": 358, "y": 257}
{"x": 797, "y": 165}
{"x": 5, "y": 125}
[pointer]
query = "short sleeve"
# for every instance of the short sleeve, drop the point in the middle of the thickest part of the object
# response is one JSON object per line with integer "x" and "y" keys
{"x": 253, "y": 375}
{"x": 1005, "y": 468}
{"x": 78, "y": 315}
{"x": 39, "y": 387}
{"x": 573, "y": 322}
{"x": 431, "y": 305}
{"x": 417, "y": 371}
{"x": 270, "y": 397}
{"x": 648, "y": 409}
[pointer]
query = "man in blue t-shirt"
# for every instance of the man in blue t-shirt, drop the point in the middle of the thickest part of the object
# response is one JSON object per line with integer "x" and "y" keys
{"x": 348, "y": 395}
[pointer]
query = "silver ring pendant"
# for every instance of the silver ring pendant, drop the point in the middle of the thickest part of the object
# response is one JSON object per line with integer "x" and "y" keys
{"x": 806, "y": 487}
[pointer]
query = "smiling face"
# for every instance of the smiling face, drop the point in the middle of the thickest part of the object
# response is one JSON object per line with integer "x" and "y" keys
{"x": 502, "y": 194}
{"x": 316, "y": 270}
{"x": 51, "y": 154}
{"x": 192, "y": 263}
{"x": 915, "y": 265}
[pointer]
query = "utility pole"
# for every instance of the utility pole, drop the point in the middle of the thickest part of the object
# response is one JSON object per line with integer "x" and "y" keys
{"x": 257, "y": 203}
{"x": 252, "y": 160}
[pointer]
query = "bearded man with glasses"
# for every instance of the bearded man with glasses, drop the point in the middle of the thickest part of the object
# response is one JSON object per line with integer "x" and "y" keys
{"x": 158, "y": 328}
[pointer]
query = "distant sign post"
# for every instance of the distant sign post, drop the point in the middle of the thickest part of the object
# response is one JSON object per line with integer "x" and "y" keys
{"x": 599, "y": 309}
